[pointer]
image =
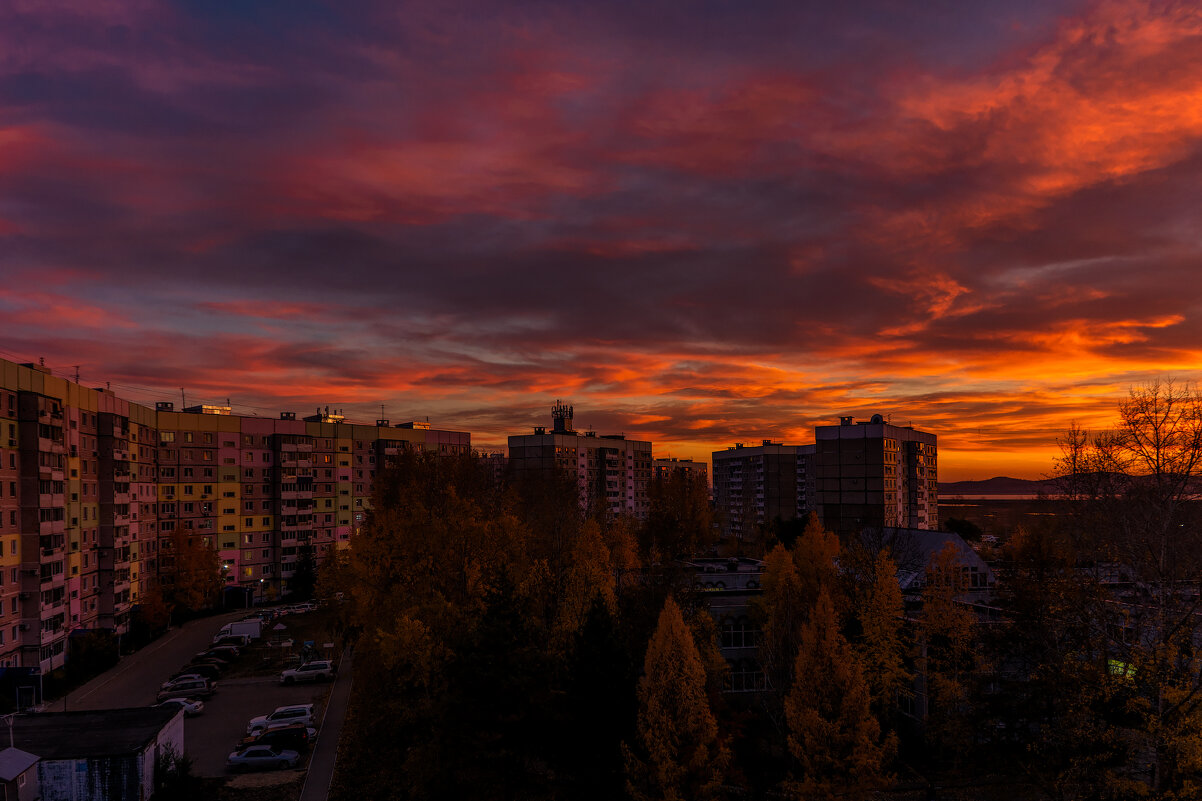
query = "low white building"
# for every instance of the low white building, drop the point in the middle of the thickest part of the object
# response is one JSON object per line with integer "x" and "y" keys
{"x": 99, "y": 755}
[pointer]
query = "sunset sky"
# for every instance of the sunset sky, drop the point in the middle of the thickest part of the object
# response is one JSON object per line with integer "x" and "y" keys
{"x": 699, "y": 223}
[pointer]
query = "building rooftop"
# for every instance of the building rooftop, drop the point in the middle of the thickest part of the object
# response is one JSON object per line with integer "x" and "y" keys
{"x": 85, "y": 735}
{"x": 14, "y": 762}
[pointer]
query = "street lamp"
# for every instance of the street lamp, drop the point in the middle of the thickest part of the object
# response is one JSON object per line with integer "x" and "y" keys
{"x": 260, "y": 592}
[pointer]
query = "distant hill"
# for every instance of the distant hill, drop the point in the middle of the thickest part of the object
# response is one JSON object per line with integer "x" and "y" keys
{"x": 998, "y": 485}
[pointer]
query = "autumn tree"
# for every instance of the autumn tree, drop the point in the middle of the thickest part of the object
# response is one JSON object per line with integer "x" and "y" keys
{"x": 946, "y": 632}
{"x": 881, "y": 648}
{"x": 680, "y": 521}
{"x": 834, "y": 738}
{"x": 600, "y": 701}
{"x": 1136, "y": 528}
{"x": 815, "y": 553}
{"x": 304, "y": 576}
{"x": 589, "y": 579}
{"x": 780, "y": 611}
{"x": 190, "y": 572}
{"x": 153, "y": 613}
{"x": 677, "y": 755}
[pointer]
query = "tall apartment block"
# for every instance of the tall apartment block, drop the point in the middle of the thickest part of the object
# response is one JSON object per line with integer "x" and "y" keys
{"x": 667, "y": 467}
{"x": 872, "y": 474}
{"x": 857, "y": 475}
{"x": 611, "y": 472}
{"x": 754, "y": 485}
{"x": 92, "y": 488}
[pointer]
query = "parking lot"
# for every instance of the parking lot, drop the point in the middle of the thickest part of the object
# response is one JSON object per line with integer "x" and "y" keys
{"x": 211, "y": 736}
{"x": 249, "y": 687}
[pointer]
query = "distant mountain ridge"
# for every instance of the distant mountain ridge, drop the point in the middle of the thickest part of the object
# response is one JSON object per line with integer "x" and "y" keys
{"x": 998, "y": 485}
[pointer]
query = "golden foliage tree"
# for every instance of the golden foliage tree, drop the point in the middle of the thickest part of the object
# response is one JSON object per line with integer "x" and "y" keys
{"x": 947, "y": 631}
{"x": 681, "y": 520}
{"x": 589, "y": 578}
{"x": 678, "y": 755}
{"x": 780, "y": 611}
{"x": 425, "y": 560}
{"x": 192, "y": 577}
{"x": 881, "y": 648}
{"x": 833, "y": 736}
{"x": 815, "y": 553}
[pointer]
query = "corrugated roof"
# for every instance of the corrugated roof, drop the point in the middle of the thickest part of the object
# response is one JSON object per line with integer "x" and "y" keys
{"x": 83, "y": 735}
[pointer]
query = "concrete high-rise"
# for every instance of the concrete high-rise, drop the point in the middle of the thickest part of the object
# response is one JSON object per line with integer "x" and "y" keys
{"x": 754, "y": 485}
{"x": 869, "y": 474}
{"x": 872, "y": 474}
{"x": 93, "y": 486}
{"x": 611, "y": 472}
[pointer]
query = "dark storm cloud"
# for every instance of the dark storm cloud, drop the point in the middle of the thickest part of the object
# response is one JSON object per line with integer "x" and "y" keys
{"x": 703, "y": 227}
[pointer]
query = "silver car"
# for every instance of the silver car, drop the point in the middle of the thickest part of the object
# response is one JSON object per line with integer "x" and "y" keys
{"x": 261, "y": 757}
{"x": 320, "y": 670}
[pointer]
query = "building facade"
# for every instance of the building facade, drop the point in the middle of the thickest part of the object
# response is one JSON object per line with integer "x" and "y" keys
{"x": 611, "y": 472}
{"x": 872, "y": 474}
{"x": 666, "y": 467}
{"x": 93, "y": 487}
{"x": 754, "y": 485}
{"x": 869, "y": 474}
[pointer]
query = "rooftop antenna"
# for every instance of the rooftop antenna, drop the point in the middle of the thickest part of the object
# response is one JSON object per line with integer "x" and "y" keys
{"x": 77, "y": 374}
{"x": 182, "y": 400}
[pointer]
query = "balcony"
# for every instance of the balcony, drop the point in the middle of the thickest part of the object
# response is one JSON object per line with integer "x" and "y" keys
{"x": 51, "y": 527}
{"x": 53, "y": 579}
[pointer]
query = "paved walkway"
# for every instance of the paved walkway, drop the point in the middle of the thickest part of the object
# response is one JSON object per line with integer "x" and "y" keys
{"x": 325, "y": 753}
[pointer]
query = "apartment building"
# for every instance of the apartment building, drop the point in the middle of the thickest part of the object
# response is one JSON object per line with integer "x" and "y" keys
{"x": 666, "y": 467}
{"x": 872, "y": 474}
{"x": 612, "y": 472}
{"x": 92, "y": 487}
{"x": 754, "y": 485}
{"x": 869, "y": 474}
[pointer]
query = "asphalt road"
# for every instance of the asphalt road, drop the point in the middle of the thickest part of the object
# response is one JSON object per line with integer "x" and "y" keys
{"x": 135, "y": 680}
{"x": 208, "y": 738}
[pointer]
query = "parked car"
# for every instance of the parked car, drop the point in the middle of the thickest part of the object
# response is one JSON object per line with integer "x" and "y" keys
{"x": 282, "y": 716}
{"x": 204, "y": 666}
{"x": 187, "y": 688}
{"x": 227, "y": 652}
{"x": 231, "y": 641}
{"x": 294, "y": 737}
{"x": 206, "y": 670}
{"x": 320, "y": 670}
{"x": 261, "y": 757}
{"x": 191, "y": 706}
{"x": 181, "y": 677}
